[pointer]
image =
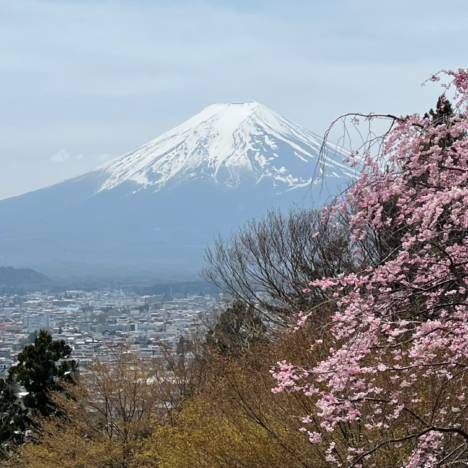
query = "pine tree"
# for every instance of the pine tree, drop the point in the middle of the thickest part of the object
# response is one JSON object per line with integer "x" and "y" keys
{"x": 12, "y": 418}
{"x": 444, "y": 114}
{"x": 238, "y": 327}
{"x": 42, "y": 368}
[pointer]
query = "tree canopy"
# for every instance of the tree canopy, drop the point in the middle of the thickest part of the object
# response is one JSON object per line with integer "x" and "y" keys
{"x": 41, "y": 369}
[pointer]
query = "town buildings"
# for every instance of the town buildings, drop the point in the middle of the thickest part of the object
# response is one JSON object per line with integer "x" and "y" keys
{"x": 94, "y": 323}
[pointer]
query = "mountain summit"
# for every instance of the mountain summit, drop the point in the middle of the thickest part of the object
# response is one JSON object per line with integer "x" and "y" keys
{"x": 225, "y": 144}
{"x": 162, "y": 203}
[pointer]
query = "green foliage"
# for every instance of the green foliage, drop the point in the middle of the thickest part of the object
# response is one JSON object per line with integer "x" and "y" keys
{"x": 238, "y": 327}
{"x": 41, "y": 369}
{"x": 442, "y": 113}
{"x": 12, "y": 418}
{"x": 32, "y": 337}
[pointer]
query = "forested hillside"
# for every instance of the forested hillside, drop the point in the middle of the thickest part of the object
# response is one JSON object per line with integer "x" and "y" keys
{"x": 10, "y": 276}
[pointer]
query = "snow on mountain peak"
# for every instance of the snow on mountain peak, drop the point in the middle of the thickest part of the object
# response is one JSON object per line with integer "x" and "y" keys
{"x": 225, "y": 144}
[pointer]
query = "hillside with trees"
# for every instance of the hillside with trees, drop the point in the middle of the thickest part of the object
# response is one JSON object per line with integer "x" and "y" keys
{"x": 13, "y": 277}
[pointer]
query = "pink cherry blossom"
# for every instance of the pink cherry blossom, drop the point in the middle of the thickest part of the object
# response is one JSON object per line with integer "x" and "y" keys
{"x": 403, "y": 320}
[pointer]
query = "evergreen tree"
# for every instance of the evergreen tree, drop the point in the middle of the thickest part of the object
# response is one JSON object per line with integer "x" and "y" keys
{"x": 41, "y": 368}
{"x": 12, "y": 418}
{"x": 238, "y": 327}
{"x": 184, "y": 346}
{"x": 442, "y": 115}
{"x": 32, "y": 336}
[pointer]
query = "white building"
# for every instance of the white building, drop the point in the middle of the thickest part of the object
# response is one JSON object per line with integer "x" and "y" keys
{"x": 36, "y": 321}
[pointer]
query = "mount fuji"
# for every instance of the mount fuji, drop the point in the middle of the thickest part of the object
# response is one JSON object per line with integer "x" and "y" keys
{"x": 162, "y": 203}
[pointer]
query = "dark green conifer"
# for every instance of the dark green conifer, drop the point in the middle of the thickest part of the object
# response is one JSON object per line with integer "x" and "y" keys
{"x": 238, "y": 327}
{"x": 12, "y": 418}
{"x": 42, "y": 368}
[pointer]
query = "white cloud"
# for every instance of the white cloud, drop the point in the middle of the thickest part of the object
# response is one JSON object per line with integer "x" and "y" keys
{"x": 63, "y": 156}
{"x": 60, "y": 157}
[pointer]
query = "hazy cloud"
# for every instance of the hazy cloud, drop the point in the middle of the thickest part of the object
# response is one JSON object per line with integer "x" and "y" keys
{"x": 60, "y": 157}
{"x": 63, "y": 156}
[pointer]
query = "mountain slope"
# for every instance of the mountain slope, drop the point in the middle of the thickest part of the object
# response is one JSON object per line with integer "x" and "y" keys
{"x": 23, "y": 276}
{"x": 226, "y": 144}
{"x": 162, "y": 203}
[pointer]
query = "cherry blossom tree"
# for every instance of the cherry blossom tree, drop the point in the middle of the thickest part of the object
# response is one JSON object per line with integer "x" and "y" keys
{"x": 396, "y": 373}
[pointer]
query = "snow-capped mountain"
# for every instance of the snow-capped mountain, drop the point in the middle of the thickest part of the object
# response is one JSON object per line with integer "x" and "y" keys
{"x": 225, "y": 144}
{"x": 163, "y": 202}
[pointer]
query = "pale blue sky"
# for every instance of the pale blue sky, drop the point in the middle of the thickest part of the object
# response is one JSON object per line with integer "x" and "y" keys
{"x": 82, "y": 81}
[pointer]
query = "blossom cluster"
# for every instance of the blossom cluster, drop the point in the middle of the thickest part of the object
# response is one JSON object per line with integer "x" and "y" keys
{"x": 401, "y": 322}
